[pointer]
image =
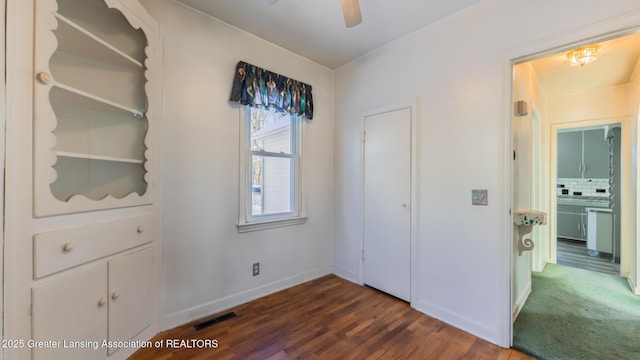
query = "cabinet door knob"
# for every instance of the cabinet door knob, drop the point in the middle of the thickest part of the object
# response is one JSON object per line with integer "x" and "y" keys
{"x": 140, "y": 229}
{"x": 102, "y": 302}
{"x": 67, "y": 248}
{"x": 115, "y": 295}
{"x": 44, "y": 77}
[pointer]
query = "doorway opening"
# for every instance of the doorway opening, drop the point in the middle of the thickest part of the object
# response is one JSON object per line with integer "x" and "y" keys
{"x": 603, "y": 95}
{"x": 588, "y": 200}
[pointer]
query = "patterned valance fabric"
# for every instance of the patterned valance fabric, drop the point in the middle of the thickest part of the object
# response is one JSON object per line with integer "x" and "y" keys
{"x": 255, "y": 86}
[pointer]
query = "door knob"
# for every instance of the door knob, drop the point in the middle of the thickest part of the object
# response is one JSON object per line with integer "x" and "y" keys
{"x": 44, "y": 77}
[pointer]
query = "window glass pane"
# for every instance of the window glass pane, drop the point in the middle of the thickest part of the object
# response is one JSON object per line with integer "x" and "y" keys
{"x": 270, "y": 131}
{"x": 271, "y": 185}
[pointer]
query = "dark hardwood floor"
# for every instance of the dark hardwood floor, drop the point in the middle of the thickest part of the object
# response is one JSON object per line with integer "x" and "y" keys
{"x": 327, "y": 318}
{"x": 574, "y": 253}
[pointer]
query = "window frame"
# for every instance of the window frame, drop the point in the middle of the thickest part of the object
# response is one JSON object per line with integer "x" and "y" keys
{"x": 246, "y": 220}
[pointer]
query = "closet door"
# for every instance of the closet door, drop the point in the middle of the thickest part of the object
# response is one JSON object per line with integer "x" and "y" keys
{"x": 387, "y": 203}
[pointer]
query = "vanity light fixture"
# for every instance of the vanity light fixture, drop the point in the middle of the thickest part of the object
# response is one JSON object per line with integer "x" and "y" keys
{"x": 582, "y": 56}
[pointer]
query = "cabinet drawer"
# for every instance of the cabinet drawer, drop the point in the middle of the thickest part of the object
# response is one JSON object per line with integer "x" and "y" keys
{"x": 65, "y": 248}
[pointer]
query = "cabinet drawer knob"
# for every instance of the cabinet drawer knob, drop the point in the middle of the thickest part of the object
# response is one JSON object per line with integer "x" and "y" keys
{"x": 140, "y": 229}
{"x": 115, "y": 295}
{"x": 44, "y": 77}
{"x": 102, "y": 302}
{"x": 67, "y": 248}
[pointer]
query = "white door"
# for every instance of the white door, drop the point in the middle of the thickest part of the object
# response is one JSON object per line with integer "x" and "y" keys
{"x": 387, "y": 207}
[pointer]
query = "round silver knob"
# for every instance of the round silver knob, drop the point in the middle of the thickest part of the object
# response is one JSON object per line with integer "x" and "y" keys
{"x": 44, "y": 77}
{"x": 115, "y": 295}
{"x": 140, "y": 229}
{"x": 102, "y": 302}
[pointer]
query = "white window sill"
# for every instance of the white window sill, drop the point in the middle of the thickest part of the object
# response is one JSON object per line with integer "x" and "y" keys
{"x": 271, "y": 224}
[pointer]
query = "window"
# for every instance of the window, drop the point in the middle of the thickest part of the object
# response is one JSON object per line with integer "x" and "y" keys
{"x": 270, "y": 154}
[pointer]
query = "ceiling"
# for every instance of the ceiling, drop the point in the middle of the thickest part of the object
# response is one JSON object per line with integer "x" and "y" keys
{"x": 315, "y": 28}
{"x": 615, "y": 65}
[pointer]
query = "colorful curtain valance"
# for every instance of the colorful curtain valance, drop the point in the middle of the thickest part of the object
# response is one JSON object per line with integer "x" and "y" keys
{"x": 255, "y": 86}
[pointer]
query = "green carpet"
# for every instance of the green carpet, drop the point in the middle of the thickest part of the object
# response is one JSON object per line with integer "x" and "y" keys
{"x": 578, "y": 314}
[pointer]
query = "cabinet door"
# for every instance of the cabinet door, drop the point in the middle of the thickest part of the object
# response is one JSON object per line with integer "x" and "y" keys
{"x": 92, "y": 105}
{"x": 583, "y": 227}
{"x": 72, "y": 312}
{"x": 596, "y": 155}
{"x": 131, "y": 304}
{"x": 569, "y": 225}
{"x": 569, "y": 154}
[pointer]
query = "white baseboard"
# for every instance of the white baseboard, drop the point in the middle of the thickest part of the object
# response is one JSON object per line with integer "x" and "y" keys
{"x": 345, "y": 274}
{"x": 472, "y": 327}
{"x": 520, "y": 300}
{"x": 632, "y": 285}
{"x": 184, "y": 316}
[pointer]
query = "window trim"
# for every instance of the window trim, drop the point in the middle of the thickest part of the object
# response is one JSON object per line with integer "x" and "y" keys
{"x": 248, "y": 222}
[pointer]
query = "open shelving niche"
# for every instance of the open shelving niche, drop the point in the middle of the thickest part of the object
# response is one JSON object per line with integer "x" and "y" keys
{"x": 91, "y": 108}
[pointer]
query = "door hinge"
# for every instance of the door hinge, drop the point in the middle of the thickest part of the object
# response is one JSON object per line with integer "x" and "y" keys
{"x": 362, "y": 255}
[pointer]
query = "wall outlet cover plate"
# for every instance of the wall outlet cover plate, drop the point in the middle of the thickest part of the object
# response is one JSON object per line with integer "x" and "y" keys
{"x": 479, "y": 197}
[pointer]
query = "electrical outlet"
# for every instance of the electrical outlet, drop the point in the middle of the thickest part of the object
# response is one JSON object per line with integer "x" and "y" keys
{"x": 256, "y": 269}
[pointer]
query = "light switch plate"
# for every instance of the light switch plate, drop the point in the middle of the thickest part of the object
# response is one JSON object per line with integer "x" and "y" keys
{"x": 479, "y": 197}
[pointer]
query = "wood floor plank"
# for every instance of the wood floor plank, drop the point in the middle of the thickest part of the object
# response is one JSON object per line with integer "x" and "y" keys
{"x": 575, "y": 254}
{"x": 328, "y": 318}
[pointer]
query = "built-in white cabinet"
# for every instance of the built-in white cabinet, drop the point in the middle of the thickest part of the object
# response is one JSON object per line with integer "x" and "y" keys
{"x": 108, "y": 301}
{"x": 81, "y": 251}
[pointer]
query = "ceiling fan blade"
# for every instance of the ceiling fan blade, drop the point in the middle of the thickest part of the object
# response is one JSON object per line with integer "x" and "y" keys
{"x": 271, "y": 2}
{"x": 351, "y": 12}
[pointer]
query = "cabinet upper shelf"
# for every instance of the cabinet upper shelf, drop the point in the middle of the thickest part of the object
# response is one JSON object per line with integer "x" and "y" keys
{"x": 75, "y": 39}
{"x": 97, "y": 101}
{"x": 97, "y": 157}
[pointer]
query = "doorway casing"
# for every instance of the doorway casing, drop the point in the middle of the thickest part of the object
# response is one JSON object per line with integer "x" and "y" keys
{"x": 596, "y": 32}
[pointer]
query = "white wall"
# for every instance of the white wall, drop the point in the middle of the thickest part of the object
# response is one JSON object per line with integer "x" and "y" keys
{"x": 604, "y": 103}
{"x": 207, "y": 264}
{"x": 460, "y": 71}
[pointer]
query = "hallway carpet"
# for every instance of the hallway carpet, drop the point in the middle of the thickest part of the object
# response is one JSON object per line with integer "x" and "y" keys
{"x": 578, "y": 314}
